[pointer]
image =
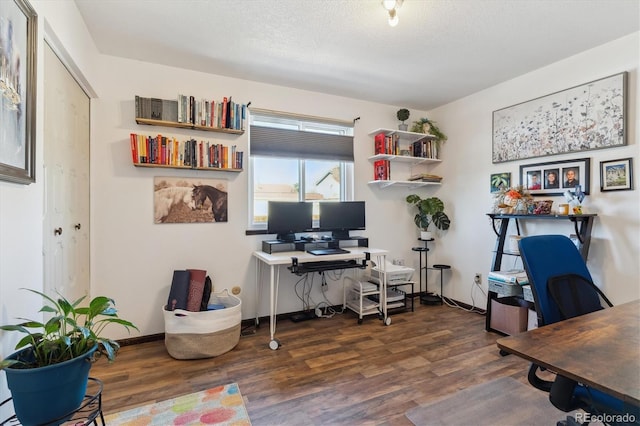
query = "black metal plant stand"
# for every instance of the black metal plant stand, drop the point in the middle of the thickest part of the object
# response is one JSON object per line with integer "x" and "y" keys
{"x": 86, "y": 414}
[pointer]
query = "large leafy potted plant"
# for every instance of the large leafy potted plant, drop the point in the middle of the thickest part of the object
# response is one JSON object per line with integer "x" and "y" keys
{"x": 430, "y": 210}
{"x": 51, "y": 368}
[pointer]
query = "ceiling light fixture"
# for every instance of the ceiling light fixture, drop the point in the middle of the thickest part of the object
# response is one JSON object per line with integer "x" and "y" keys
{"x": 392, "y": 7}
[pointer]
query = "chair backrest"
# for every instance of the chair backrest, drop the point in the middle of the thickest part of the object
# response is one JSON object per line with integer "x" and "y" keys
{"x": 553, "y": 261}
{"x": 576, "y": 296}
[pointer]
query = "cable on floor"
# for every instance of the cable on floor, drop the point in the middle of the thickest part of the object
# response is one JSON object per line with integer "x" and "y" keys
{"x": 452, "y": 303}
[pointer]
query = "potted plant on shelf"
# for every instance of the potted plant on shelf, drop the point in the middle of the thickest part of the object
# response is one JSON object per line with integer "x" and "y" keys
{"x": 430, "y": 210}
{"x": 424, "y": 125}
{"x": 403, "y": 115}
{"x": 51, "y": 368}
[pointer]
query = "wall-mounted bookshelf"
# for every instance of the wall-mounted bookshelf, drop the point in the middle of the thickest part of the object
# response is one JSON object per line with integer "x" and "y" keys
{"x": 416, "y": 149}
{"x": 225, "y": 116}
{"x": 169, "y": 152}
{"x": 211, "y": 169}
{"x": 174, "y": 124}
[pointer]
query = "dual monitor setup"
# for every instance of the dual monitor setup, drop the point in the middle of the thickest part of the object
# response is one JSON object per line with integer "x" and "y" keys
{"x": 286, "y": 219}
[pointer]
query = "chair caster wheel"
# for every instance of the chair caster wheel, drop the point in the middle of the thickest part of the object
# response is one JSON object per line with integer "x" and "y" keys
{"x": 359, "y": 321}
{"x": 387, "y": 321}
{"x": 274, "y": 344}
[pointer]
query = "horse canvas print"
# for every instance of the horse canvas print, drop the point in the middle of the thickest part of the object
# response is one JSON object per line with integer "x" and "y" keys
{"x": 189, "y": 200}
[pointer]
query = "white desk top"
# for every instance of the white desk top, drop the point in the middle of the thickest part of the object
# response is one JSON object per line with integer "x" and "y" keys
{"x": 284, "y": 258}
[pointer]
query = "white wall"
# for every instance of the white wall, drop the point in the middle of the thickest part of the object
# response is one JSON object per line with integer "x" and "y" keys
{"x": 133, "y": 258}
{"x": 614, "y": 252}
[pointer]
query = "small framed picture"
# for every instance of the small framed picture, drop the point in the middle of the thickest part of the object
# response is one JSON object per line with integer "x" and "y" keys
{"x": 616, "y": 175}
{"x": 499, "y": 181}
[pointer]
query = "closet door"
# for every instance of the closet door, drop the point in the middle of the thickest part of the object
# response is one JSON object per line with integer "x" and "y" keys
{"x": 66, "y": 171}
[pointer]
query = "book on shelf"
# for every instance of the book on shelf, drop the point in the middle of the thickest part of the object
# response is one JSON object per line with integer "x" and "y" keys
{"x": 223, "y": 118}
{"x": 379, "y": 144}
{"x": 156, "y": 109}
{"x": 425, "y": 177}
{"x": 381, "y": 170}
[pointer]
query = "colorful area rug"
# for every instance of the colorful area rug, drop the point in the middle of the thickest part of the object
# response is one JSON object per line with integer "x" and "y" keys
{"x": 222, "y": 405}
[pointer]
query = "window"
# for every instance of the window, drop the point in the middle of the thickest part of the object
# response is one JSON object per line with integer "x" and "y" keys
{"x": 294, "y": 159}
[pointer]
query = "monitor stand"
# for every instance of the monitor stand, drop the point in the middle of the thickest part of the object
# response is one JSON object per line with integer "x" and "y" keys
{"x": 340, "y": 235}
{"x": 287, "y": 238}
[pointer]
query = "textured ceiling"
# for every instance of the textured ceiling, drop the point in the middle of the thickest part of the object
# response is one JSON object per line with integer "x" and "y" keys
{"x": 439, "y": 52}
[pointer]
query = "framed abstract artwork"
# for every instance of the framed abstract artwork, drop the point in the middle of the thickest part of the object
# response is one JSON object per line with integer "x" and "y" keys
{"x": 582, "y": 118}
{"x": 18, "y": 32}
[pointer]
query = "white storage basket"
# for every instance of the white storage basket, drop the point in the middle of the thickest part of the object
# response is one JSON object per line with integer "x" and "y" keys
{"x": 204, "y": 334}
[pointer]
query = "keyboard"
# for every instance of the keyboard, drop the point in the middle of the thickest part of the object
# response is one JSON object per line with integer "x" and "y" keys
{"x": 326, "y": 251}
{"x": 326, "y": 265}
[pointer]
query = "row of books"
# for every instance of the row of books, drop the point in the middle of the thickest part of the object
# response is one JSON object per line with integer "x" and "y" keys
{"x": 387, "y": 144}
{"x": 425, "y": 148}
{"x": 390, "y": 144}
{"x": 156, "y": 109}
{"x": 190, "y": 291}
{"x": 225, "y": 114}
{"x": 168, "y": 151}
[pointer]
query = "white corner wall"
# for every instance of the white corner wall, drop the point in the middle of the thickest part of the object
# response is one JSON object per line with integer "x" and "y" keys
{"x": 614, "y": 251}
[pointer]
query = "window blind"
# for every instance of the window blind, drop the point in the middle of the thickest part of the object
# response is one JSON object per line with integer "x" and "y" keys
{"x": 275, "y": 142}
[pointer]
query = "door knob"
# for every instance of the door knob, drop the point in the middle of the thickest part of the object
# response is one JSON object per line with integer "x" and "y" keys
{"x": 57, "y": 231}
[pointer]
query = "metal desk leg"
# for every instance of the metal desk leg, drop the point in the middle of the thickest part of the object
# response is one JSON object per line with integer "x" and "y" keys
{"x": 274, "y": 279}
{"x": 258, "y": 290}
{"x": 382, "y": 261}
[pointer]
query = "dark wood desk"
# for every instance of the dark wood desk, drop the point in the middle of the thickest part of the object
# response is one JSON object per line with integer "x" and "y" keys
{"x": 600, "y": 349}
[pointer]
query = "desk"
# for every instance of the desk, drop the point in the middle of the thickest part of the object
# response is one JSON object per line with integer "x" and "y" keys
{"x": 599, "y": 349}
{"x": 275, "y": 260}
{"x": 582, "y": 224}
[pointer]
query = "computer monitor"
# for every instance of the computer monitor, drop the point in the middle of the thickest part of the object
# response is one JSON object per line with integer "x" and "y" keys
{"x": 285, "y": 218}
{"x": 342, "y": 217}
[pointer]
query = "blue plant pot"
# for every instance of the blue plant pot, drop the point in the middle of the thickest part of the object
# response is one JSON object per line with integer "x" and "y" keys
{"x": 47, "y": 394}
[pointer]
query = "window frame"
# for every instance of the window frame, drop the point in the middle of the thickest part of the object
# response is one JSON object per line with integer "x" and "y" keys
{"x": 280, "y": 120}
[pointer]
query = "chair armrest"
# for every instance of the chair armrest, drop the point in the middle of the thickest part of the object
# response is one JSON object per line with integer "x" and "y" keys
{"x": 536, "y": 381}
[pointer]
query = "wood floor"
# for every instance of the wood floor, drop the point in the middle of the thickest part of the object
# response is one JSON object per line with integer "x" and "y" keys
{"x": 327, "y": 371}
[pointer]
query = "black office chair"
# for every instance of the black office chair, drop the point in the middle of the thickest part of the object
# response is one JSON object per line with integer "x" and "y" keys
{"x": 562, "y": 288}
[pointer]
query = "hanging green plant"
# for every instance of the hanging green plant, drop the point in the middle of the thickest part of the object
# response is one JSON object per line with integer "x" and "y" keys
{"x": 430, "y": 128}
